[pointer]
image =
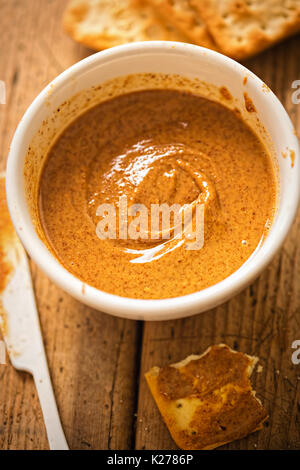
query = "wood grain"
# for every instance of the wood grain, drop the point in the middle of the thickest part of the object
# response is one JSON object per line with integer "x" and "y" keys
{"x": 98, "y": 362}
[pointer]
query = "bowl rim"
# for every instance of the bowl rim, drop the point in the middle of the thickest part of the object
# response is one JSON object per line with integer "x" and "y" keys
{"x": 144, "y": 309}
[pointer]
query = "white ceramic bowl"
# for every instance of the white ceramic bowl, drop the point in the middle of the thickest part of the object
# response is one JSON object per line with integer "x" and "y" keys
{"x": 172, "y": 58}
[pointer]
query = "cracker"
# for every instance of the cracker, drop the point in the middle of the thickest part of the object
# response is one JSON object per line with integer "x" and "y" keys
{"x": 184, "y": 16}
{"x": 207, "y": 401}
{"x": 242, "y": 28}
{"x": 100, "y": 24}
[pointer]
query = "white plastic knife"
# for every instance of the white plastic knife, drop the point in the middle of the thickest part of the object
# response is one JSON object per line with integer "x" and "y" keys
{"x": 22, "y": 334}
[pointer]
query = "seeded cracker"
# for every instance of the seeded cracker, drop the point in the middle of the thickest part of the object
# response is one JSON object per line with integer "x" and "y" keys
{"x": 184, "y": 16}
{"x": 100, "y": 24}
{"x": 242, "y": 28}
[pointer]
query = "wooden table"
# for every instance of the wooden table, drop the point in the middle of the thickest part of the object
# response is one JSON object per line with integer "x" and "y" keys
{"x": 98, "y": 362}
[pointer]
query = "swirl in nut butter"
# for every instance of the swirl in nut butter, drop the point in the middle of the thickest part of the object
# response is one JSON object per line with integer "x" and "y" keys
{"x": 147, "y": 174}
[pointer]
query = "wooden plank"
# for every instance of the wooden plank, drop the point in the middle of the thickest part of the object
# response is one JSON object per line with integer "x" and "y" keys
{"x": 263, "y": 320}
{"x": 92, "y": 356}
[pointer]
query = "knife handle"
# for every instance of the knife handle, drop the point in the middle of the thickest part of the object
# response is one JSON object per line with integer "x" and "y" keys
{"x": 55, "y": 433}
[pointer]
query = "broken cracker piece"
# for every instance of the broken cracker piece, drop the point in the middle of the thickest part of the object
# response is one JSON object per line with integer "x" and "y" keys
{"x": 100, "y": 24}
{"x": 242, "y": 28}
{"x": 184, "y": 16}
{"x": 207, "y": 401}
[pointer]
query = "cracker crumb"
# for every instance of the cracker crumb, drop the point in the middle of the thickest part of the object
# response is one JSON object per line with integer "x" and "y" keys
{"x": 249, "y": 104}
{"x": 292, "y": 157}
{"x": 265, "y": 88}
{"x": 225, "y": 93}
